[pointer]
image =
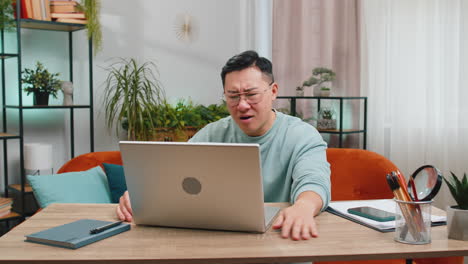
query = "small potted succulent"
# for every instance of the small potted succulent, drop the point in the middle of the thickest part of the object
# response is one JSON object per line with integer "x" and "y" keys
{"x": 320, "y": 76}
{"x": 326, "y": 120}
{"x": 457, "y": 215}
{"x": 41, "y": 83}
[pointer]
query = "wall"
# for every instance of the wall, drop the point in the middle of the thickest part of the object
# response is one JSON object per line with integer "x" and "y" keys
{"x": 144, "y": 30}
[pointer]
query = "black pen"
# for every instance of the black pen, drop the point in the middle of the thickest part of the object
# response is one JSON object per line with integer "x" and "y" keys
{"x": 104, "y": 227}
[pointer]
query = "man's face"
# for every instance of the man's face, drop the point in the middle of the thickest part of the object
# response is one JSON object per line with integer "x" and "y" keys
{"x": 253, "y": 113}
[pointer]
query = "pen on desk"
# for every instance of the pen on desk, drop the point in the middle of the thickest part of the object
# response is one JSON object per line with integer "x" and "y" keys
{"x": 413, "y": 189}
{"x": 104, "y": 227}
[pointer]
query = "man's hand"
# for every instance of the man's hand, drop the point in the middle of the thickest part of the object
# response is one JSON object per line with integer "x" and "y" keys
{"x": 124, "y": 210}
{"x": 298, "y": 220}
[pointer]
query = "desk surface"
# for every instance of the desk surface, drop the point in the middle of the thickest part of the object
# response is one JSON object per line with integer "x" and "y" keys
{"x": 339, "y": 239}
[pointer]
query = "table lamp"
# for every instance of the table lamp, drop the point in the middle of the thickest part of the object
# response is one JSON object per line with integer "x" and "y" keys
{"x": 37, "y": 157}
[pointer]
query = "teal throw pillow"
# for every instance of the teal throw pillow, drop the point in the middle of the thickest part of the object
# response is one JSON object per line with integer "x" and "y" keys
{"x": 73, "y": 187}
{"x": 116, "y": 178}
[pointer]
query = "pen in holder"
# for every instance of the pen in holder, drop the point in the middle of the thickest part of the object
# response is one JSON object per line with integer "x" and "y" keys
{"x": 413, "y": 222}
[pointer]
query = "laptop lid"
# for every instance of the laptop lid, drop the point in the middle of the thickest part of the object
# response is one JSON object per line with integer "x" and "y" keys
{"x": 195, "y": 185}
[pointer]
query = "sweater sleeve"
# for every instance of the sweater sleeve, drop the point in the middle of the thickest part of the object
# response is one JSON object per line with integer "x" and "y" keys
{"x": 311, "y": 171}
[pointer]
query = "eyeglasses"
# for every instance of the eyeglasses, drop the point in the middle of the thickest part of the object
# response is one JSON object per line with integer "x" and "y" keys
{"x": 251, "y": 97}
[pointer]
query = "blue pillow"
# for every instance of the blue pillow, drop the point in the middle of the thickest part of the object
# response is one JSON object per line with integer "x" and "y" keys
{"x": 116, "y": 178}
{"x": 73, "y": 187}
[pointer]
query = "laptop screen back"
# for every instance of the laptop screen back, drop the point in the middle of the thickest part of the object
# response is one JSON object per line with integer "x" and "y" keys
{"x": 195, "y": 185}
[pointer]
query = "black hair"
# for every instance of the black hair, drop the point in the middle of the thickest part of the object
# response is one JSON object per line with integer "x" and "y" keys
{"x": 247, "y": 59}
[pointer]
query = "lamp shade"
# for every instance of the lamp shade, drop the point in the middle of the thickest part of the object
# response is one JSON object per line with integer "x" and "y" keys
{"x": 37, "y": 156}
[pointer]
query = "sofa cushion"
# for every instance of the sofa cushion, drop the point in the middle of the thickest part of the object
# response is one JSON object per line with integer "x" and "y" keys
{"x": 88, "y": 186}
{"x": 116, "y": 178}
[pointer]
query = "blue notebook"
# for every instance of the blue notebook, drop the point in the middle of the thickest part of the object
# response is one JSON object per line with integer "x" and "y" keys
{"x": 76, "y": 234}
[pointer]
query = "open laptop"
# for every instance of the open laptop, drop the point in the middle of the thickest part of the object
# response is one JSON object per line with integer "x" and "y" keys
{"x": 196, "y": 185}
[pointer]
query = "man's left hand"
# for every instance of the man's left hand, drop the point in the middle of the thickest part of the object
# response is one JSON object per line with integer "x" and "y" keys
{"x": 298, "y": 220}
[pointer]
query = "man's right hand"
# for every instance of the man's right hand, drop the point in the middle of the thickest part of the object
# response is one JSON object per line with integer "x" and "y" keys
{"x": 124, "y": 210}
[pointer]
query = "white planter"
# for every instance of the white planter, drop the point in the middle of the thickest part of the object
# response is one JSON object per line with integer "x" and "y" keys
{"x": 457, "y": 223}
{"x": 324, "y": 92}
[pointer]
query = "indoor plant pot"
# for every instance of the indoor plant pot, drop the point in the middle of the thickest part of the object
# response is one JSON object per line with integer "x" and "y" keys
{"x": 457, "y": 223}
{"x": 457, "y": 216}
{"x": 41, "y": 83}
{"x": 41, "y": 98}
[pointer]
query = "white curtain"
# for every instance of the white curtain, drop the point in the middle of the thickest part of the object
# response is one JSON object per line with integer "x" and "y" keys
{"x": 414, "y": 71}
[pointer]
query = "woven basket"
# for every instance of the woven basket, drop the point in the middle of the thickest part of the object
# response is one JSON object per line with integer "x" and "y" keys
{"x": 171, "y": 134}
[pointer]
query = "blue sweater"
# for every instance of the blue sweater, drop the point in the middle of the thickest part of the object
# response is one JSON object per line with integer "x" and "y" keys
{"x": 293, "y": 156}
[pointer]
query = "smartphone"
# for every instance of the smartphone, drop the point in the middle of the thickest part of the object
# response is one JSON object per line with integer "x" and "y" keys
{"x": 372, "y": 213}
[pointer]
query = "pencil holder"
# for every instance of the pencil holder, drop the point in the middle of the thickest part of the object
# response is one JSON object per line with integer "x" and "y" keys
{"x": 413, "y": 222}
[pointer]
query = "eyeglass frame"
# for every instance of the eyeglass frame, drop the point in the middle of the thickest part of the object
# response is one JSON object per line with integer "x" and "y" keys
{"x": 245, "y": 93}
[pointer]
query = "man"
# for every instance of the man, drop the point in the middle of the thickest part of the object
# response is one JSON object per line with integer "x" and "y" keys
{"x": 294, "y": 165}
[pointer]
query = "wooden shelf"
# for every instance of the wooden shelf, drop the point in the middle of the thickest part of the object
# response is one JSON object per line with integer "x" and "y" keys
{"x": 8, "y": 55}
{"x": 7, "y": 136}
{"x": 47, "y": 106}
{"x": 50, "y": 25}
{"x": 11, "y": 215}
{"x": 17, "y": 188}
{"x": 336, "y": 131}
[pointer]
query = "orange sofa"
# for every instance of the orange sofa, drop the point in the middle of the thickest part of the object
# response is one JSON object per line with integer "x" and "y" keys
{"x": 355, "y": 175}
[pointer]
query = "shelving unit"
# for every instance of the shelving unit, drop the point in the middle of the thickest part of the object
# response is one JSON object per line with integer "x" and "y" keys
{"x": 339, "y": 131}
{"x": 5, "y": 135}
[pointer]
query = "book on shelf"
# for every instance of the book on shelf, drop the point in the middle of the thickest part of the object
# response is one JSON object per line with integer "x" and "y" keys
{"x": 26, "y": 9}
{"x": 40, "y": 9}
{"x": 5, "y": 210}
{"x": 77, "y": 234}
{"x": 5, "y": 206}
{"x": 71, "y": 20}
{"x": 5, "y": 201}
{"x": 36, "y": 9}
{"x": 63, "y": 9}
{"x": 63, "y": 2}
{"x": 341, "y": 209}
{"x": 68, "y": 15}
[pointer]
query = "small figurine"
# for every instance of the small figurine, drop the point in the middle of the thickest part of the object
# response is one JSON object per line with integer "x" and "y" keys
{"x": 67, "y": 89}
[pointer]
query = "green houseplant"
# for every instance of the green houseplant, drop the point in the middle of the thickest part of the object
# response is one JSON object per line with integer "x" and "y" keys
{"x": 320, "y": 75}
{"x": 41, "y": 83}
{"x": 457, "y": 216}
{"x": 184, "y": 119}
{"x": 91, "y": 9}
{"x": 131, "y": 91}
{"x": 7, "y": 18}
{"x": 179, "y": 122}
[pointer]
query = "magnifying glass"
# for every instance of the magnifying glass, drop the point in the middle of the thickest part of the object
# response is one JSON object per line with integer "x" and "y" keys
{"x": 425, "y": 183}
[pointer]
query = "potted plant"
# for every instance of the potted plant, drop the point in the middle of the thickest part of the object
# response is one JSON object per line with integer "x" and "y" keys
{"x": 182, "y": 121}
{"x": 41, "y": 83}
{"x": 320, "y": 75}
{"x": 326, "y": 120}
{"x": 7, "y": 17}
{"x": 131, "y": 91}
{"x": 457, "y": 215}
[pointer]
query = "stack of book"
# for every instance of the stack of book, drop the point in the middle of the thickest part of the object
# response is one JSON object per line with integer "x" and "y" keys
{"x": 5, "y": 206}
{"x": 66, "y": 12}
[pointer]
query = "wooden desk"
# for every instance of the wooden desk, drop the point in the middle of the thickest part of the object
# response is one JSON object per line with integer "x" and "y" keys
{"x": 339, "y": 239}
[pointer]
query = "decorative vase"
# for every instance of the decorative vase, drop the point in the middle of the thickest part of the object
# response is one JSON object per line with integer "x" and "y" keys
{"x": 41, "y": 98}
{"x": 67, "y": 89}
{"x": 457, "y": 223}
